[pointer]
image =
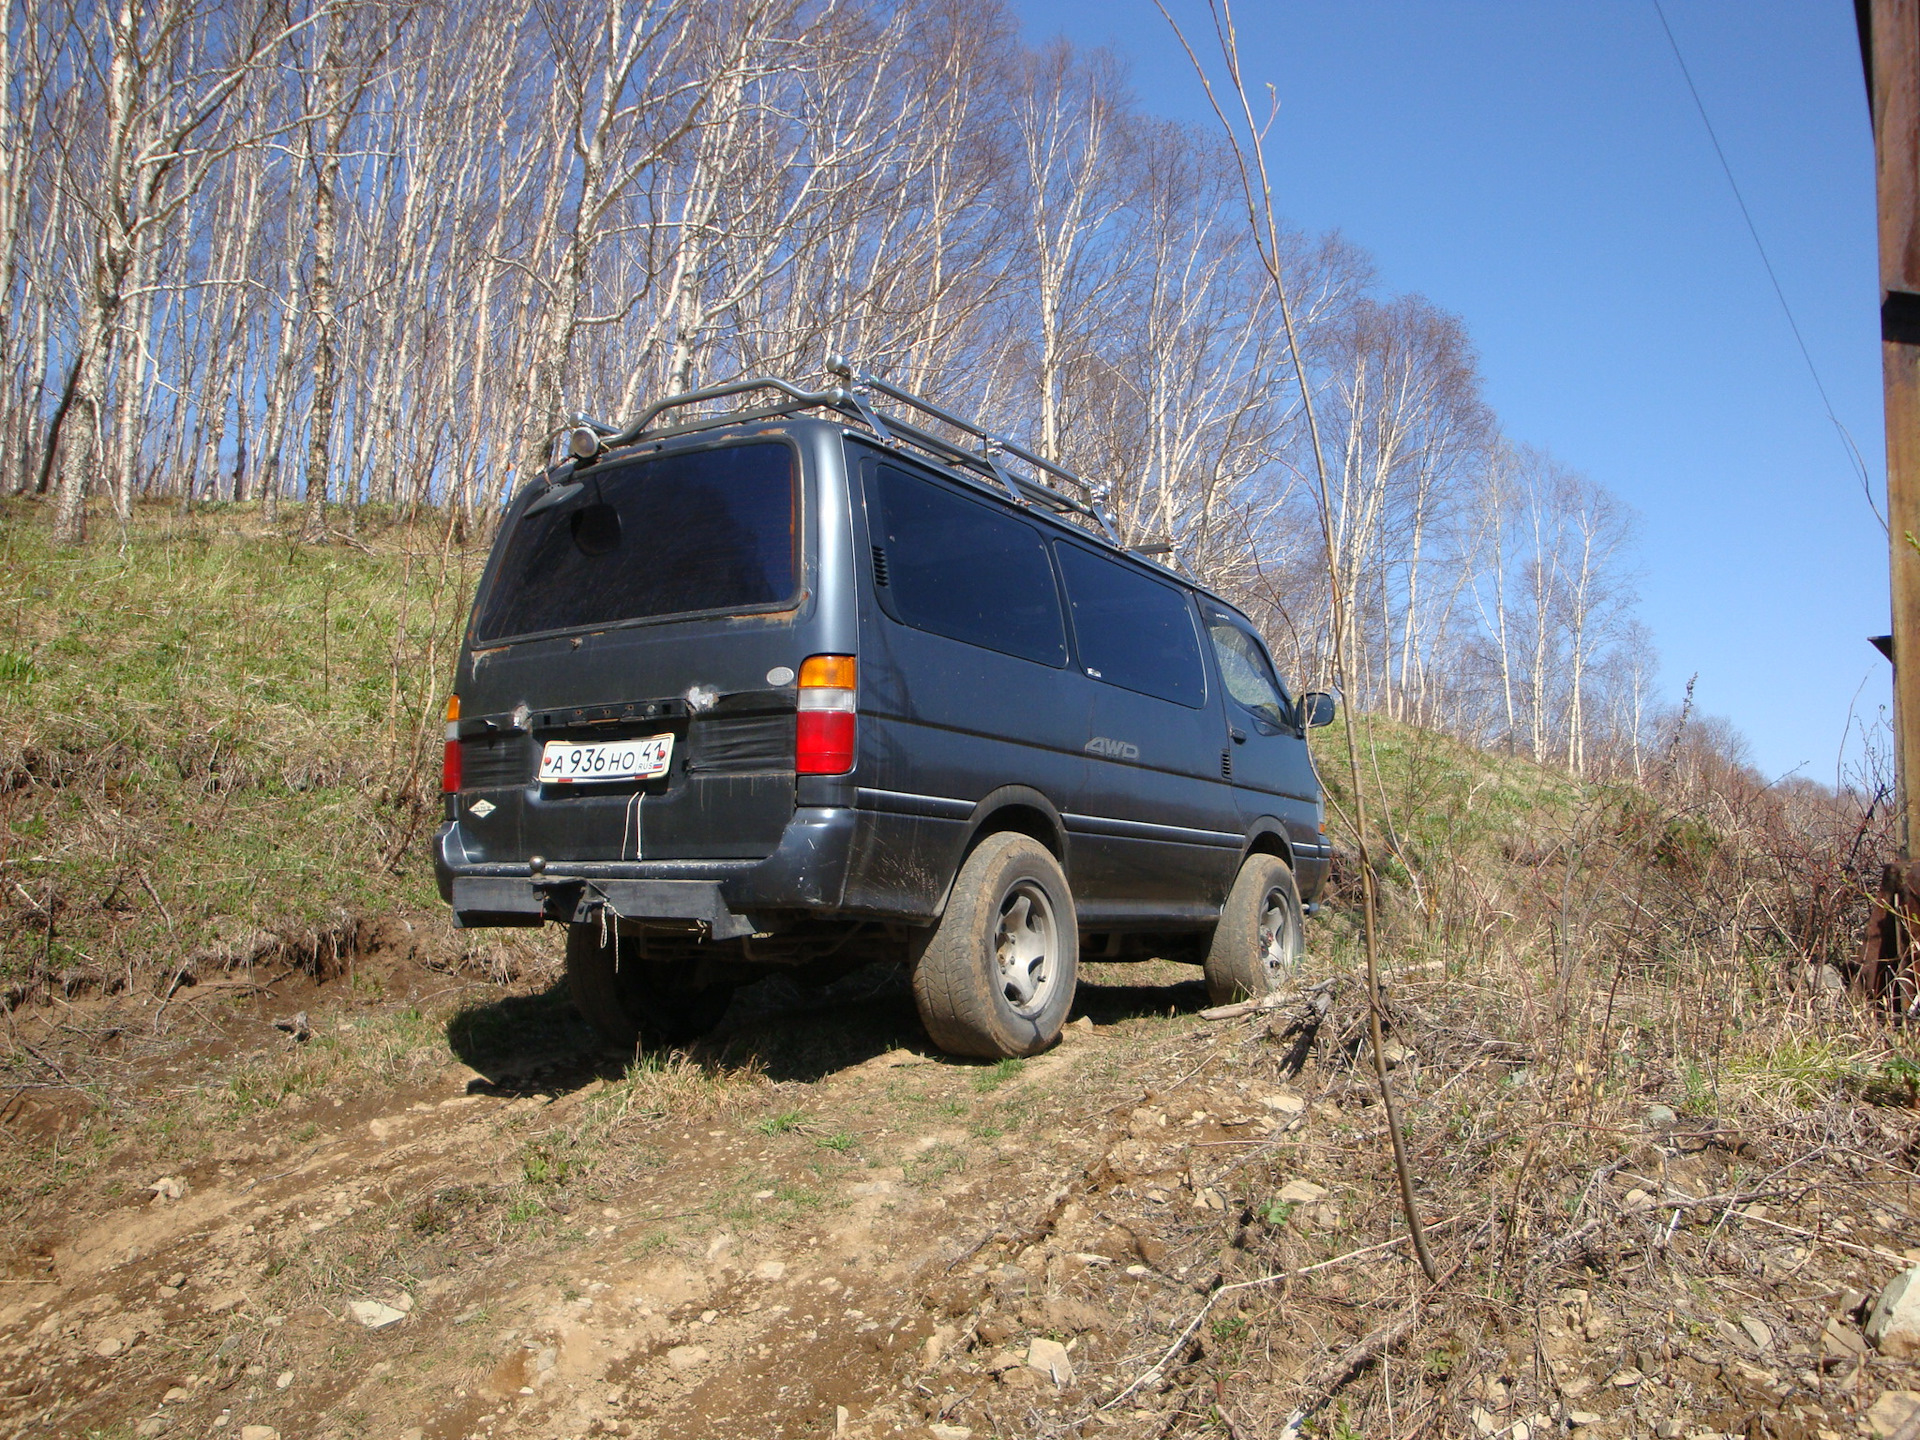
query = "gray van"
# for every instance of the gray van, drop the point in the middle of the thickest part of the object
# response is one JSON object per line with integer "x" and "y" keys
{"x": 815, "y": 683}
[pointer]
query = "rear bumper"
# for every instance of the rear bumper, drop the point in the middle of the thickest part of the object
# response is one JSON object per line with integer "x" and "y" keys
{"x": 806, "y": 872}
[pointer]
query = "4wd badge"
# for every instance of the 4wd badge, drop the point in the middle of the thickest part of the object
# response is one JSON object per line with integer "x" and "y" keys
{"x": 482, "y": 808}
{"x": 1113, "y": 749}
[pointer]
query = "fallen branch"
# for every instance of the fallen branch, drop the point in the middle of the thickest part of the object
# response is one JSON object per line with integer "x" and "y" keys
{"x": 1349, "y": 1362}
{"x": 1158, "y": 1369}
{"x": 1248, "y": 1007}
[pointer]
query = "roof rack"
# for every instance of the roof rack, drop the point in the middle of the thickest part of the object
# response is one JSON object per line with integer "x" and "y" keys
{"x": 854, "y": 398}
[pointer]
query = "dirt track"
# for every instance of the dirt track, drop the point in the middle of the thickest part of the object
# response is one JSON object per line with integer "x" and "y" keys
{"x": 751, "y": 1258}
{"x": 827, "y": 1230}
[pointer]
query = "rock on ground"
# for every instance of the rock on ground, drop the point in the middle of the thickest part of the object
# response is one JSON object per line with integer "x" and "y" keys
{"x": 1894, "y": 1326}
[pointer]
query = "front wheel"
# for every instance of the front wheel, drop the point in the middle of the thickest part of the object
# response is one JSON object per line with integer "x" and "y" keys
{"x": 995, "y": 977}
{"x": 628, "y": 999}
{"x": 1257, "y": 944}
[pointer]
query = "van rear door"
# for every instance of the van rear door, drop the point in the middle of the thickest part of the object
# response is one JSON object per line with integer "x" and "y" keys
{"x": 639, "y": 616}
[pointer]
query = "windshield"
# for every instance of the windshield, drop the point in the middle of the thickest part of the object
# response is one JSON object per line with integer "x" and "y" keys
{"x": 671, "y": 535}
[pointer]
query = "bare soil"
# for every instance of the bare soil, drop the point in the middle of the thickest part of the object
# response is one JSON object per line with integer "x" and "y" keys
{"x": 814, "y": 1225}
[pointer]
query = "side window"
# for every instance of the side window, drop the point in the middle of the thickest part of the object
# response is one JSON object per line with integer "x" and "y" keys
{"x": 965, "y": 570}
{"x": 1245, "y": 672}
{"x": 1132, "y": 630}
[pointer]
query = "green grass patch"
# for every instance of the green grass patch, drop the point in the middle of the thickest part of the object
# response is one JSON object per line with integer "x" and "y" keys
{"x": 208, "y": 722}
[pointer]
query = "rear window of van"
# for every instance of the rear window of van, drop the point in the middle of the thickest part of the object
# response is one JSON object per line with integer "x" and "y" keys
{"x": 671, "y": 535}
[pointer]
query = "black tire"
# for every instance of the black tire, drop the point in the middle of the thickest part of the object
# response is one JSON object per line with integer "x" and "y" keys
{"x": 995, "y": 977}
{"x": 630, "y": 1000}
{"x": 1258, "y": 943}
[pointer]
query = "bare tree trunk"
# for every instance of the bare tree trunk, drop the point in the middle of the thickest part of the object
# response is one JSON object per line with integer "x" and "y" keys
{"x": 325, "y": 161}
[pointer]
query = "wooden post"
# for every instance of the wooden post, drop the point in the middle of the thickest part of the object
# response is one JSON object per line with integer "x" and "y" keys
{"x": 1891, "y": 41}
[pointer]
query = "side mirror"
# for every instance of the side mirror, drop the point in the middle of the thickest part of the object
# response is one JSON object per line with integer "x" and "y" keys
{"x": 1316, "y": 709}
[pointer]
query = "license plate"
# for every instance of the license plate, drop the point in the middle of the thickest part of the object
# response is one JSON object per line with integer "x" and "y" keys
{"x": 564, "y": 762}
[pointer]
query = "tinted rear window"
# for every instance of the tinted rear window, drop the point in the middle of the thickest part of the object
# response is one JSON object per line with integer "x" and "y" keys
{"x": 673, "y": 535}
{"x": 967, "y": 571}
{"x": 1132, "y": 630}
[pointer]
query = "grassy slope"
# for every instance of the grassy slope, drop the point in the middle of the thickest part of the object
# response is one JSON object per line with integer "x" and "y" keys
{"x": 205, "y": 726}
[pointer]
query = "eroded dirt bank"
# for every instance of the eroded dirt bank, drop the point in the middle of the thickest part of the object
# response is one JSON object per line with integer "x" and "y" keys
{"x": 404, "y": 1203}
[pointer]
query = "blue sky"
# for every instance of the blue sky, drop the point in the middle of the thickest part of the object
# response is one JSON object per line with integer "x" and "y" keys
{"x": 1540, "y": 170}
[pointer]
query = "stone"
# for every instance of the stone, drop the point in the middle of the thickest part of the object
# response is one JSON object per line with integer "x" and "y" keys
{"x": 109, "y": 1347}
{"x": 176, "y": 1395}
{"x": 152, "y": 1425}
{"x": 1659, "y": 1117}
{"x": 1757, "y": 1332}
{"x": 1050, "y": 1358}
{"x": 1892, "y": 1410}
{"x": 1840, "y": 1341}
{"x": 937, "y": 1344}
{"x": 1284, "y": 1103}
{"x": 1078, "y": 1028}
{"x": 1393, "y": 1054}
{"x": 167, "y": 1188}
{"x": 414, "y": 1432}
{"x": 1829, "y": 981}
{"x": 1894, "y": 1326}
{"x": 374, "y": 1315}
{"x": 1626, "y": 1378}
{"x": 1020, "y": 1378}
{"x": 1301, "y": 1192}
{"x": 951, "y": 1432}
{"x": 259, "y": 1432}
{"x": 841, "y": 1415}
{"x": 1003, "y": 1360}
{"x": 1577, "y": 1418}
{"x": 770, "y": 1270}
{"x": 687, "y": 1357}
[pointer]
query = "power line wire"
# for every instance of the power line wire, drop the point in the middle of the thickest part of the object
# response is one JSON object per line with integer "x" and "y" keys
{"x": 1846, "y": 440}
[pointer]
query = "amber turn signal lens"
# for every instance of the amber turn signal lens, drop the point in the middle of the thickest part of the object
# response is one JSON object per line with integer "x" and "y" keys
{"x": 827, "y": 671}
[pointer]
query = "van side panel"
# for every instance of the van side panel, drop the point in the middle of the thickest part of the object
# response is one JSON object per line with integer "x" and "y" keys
{"x": 942, "y": 723}
{"x": 1156, "y": 833}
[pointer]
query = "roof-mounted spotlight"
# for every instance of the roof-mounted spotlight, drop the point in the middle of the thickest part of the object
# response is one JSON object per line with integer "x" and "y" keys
{"x": 583, "y": 443}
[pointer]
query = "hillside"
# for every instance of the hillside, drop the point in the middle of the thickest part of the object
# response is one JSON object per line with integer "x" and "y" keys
{"x": 283, "y": 1150}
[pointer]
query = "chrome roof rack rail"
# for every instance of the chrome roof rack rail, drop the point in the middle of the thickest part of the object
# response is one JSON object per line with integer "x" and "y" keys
{"x": 853, "y": 398}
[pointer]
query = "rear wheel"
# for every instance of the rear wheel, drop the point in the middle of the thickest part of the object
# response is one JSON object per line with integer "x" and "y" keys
{"x": 1257, "y": 944}
{"x": 628, "y": 999}
{"x": 995, "y": 978}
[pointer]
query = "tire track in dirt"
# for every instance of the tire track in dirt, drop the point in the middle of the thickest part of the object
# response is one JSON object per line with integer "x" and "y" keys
{"x": 743, "y": 1274}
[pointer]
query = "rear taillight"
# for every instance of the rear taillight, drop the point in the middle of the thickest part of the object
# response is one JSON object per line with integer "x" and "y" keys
{"x": 450, "y": 763}
{"x": 824, "y": 735}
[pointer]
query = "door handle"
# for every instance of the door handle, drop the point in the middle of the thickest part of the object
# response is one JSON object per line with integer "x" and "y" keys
{"x": 1239, "y": 735}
